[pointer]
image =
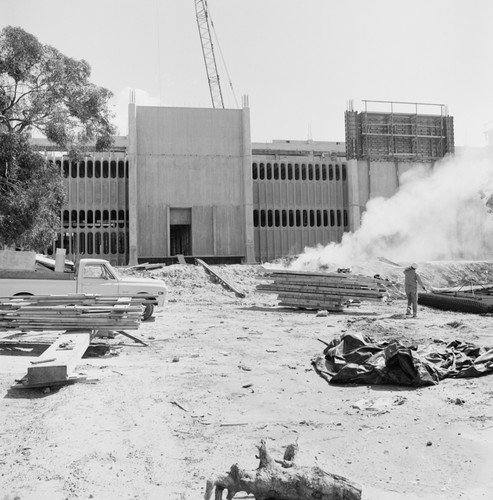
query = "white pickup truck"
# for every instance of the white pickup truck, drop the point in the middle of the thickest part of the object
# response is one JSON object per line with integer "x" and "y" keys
{"x": 92, "y": 276}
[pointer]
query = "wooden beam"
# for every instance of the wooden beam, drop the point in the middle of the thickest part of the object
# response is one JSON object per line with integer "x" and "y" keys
{"x": 56, "y": 366}
{"x": 181, "y": 259}
{"x": 220, "y": 279}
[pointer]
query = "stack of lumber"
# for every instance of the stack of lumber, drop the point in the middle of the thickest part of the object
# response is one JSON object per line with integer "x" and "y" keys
{"x": 65, "y": 312}
{"x": 329, "y": 291}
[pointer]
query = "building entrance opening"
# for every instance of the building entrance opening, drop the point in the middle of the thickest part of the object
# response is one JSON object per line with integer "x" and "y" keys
{"x": 180, "y": 231}
{"x": 180, "y": 240}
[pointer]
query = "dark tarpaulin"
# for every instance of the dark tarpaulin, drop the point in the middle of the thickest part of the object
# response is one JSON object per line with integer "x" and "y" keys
{"x": 356, "y": 358}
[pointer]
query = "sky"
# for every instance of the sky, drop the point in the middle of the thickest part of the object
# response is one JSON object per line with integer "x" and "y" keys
{"x": 298, "y": 61}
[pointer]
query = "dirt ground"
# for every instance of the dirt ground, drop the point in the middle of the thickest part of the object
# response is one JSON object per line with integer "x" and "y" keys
{"x": 221, "y": 373}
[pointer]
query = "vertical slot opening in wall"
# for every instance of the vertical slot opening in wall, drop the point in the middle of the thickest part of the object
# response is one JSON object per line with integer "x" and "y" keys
{"x": 290, "y": 172}
{"x": 255, "y": 218}
{"x": 113, "y": 169}
{"x": 283, "y": 172}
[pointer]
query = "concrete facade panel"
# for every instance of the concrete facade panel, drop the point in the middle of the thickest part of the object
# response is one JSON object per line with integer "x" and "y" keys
{"x": 196, "y": 158}
{"x": 204, "y": 229}
{"x": 189, "y": 131}
{"x": 383, "y": 179}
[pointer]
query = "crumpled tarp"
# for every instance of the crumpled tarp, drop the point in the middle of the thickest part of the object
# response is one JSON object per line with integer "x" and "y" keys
{"x": 356, "y": 358}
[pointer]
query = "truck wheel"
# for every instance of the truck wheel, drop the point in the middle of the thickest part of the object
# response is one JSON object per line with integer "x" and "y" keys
{"x": 149, "y": 309}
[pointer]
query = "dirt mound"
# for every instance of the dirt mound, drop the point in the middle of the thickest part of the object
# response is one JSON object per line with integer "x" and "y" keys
{"x": 187, "y": 279}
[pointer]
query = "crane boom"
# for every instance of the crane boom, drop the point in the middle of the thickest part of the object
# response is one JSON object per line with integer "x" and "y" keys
{"x": 208, "y": 53}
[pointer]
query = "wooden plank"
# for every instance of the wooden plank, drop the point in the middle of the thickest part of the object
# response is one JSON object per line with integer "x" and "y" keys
{"x": 327, "y": 282}
{"x": 311, "y": 305}
{"x": 135, "y": 339}
{"x": 181, "y": 259}
{"x": 318, "y": 289}
{"x": 64, "y": 312}
{"x": 337, "y": 276}
{"x": 220, "y": 279}
{"x": 65, "y": 353}
{"x": 322, "y": 296}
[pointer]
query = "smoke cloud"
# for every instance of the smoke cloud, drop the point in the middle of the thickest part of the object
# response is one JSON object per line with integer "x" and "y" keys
{"x": 442, "y": 213}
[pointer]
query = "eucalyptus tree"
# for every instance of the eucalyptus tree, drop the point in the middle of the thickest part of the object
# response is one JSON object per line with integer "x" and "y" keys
{"x": 42, "y": 89}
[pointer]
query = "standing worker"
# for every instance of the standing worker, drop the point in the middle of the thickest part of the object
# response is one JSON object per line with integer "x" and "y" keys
{"x": 411, "y": 281}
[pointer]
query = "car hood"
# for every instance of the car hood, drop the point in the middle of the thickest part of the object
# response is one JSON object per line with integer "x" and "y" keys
{"x": 144, "y": 282}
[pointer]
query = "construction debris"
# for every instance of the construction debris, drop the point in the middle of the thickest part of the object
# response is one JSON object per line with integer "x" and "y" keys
{"x": 64, "y": 312}
{"x": 56, "y": 366}
{"x": 145, "y": 267}
{"x": 327, "y": 291}
{"x": 282, "y": 480}
{"x": 219, "y": 278}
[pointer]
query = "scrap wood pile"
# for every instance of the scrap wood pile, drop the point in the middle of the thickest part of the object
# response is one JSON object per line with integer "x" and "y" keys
{"x": 64, "y": 312}
{"x": 329, "y": 291}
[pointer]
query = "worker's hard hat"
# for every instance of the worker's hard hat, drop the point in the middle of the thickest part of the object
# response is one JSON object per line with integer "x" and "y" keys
{"x": 414, "y": 265}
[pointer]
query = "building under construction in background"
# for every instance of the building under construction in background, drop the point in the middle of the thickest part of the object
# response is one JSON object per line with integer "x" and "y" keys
{"x": 188, "y": 181}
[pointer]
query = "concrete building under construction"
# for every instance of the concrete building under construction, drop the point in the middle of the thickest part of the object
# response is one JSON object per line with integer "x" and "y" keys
{"x": 189, "y": 181}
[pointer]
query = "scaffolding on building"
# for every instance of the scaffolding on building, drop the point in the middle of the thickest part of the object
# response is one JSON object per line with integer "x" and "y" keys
{"x": 399, "y": 135}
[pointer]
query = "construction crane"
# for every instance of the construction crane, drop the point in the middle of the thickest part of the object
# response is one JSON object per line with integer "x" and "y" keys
{"x": 204, "y": 22}
{"x": 202, "y": 14}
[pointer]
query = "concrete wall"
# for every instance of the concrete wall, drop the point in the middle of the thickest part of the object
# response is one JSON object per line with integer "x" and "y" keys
{"x": 300, "y": 197}
{"x": 191, "y": 158}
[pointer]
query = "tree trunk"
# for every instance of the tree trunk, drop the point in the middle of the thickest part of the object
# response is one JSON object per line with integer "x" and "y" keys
{"x": 286, "y": 481}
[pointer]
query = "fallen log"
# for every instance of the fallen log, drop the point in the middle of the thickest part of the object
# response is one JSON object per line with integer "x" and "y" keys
{"x": 286, "y": 481}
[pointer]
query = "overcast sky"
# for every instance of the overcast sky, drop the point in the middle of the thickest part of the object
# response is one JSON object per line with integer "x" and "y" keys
{"x": 299, "y": 61}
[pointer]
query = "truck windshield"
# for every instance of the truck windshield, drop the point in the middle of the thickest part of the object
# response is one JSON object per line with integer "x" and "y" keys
{"x": 100, "y": 271}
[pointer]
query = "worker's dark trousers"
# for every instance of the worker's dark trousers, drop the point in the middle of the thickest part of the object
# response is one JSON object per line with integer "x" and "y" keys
{"x": 412, "y": 300}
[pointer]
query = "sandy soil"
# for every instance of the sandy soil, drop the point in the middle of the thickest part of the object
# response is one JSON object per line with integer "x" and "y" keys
{"x": 221, "y": 373}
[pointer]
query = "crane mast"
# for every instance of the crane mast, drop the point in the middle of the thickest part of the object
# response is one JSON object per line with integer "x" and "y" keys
{"x": 208, "y": 53}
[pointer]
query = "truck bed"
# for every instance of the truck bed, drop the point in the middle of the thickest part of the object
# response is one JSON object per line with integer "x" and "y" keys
{"x": 37, "y": 275}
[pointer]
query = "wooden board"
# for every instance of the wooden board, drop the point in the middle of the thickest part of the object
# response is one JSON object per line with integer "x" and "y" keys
{"x": 57, "y": 364}
{"x": 62, "y": 312}
{"x": 220, "y": 278}
{"x": 181, "y": 259}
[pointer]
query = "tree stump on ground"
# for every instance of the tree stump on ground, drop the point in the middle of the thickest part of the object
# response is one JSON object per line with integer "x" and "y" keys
{"x": 282, "y": 480}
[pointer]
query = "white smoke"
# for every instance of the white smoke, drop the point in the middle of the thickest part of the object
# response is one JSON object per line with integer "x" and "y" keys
{"x": 437, "y": 214}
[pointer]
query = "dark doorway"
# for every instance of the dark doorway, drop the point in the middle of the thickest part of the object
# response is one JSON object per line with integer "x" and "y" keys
{"x": 180, "y": 240}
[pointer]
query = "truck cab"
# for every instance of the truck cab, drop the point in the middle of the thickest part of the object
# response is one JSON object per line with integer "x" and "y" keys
{"x": 100, "y": 277}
